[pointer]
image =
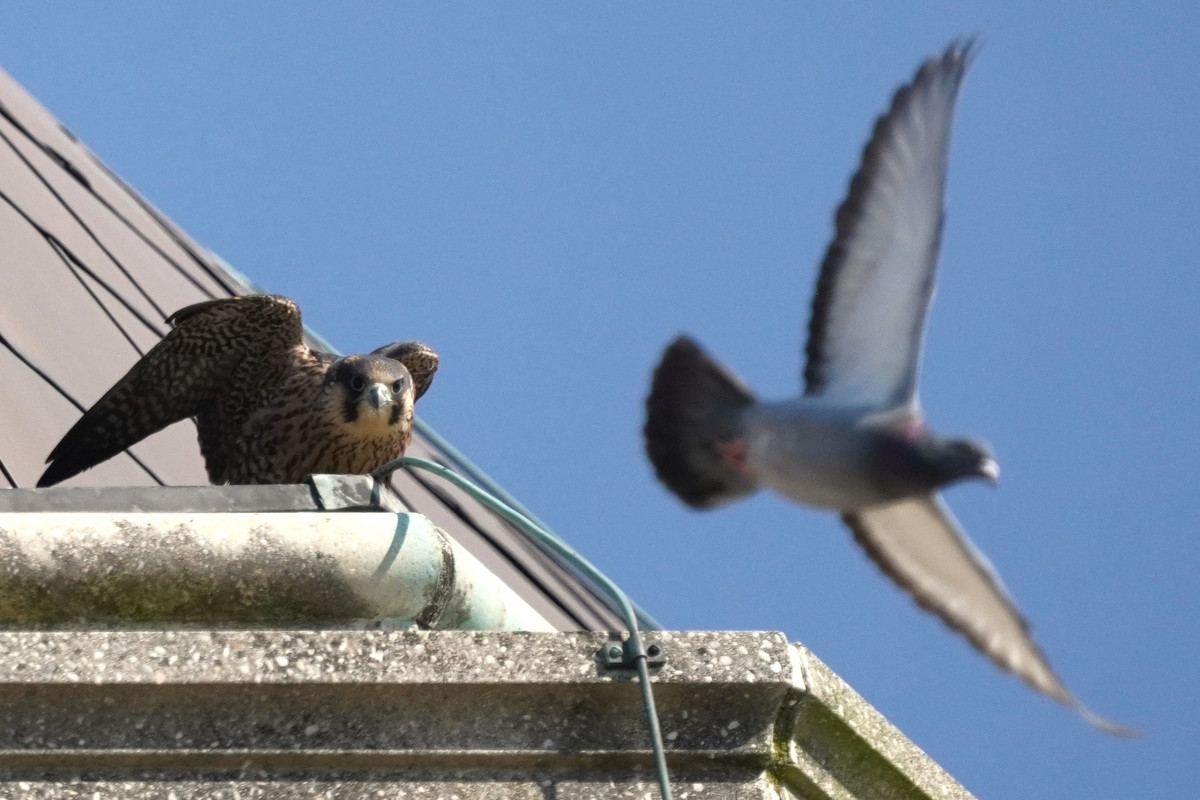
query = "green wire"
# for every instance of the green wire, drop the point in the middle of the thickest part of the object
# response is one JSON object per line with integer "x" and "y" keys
{"x": 484, "y": 480}
{"x": 636, "y": 649}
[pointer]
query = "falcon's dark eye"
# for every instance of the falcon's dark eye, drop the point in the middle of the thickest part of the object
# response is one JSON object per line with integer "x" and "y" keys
{"x": 396, "y": 386}
{"x": 357, "y": 383}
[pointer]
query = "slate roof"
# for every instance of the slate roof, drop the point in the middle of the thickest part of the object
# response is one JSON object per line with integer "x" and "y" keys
{"x": 88, "y": 272}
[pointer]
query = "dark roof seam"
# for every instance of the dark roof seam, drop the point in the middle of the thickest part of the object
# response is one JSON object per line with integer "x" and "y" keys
{"x": 53, "y": 384}
{"x": 41, "y": 373}
{"x": 95, "y": 297}
{"x": 63, "y": 250}
{"x": 8, "y": 476}
{"x": 54, "y": 155}
{"x": 83, "y": 225}
{"x": 74, "y": 172}
{"x": 216, "y": 274}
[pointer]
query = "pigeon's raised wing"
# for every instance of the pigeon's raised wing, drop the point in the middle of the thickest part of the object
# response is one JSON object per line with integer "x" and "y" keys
{"x": 919, "y": 545}
{"x": 195, "y": 361}
{"x": 873, "y": 291}
{"x": 418, "y": 358}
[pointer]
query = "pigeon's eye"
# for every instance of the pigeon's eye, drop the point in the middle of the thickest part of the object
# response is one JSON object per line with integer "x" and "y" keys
{"x": 396, "y": 386}
{"x": 357, "y": 383}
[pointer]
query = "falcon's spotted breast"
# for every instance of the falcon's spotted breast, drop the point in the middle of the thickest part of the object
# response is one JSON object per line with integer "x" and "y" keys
{"x": 268, "y": 408}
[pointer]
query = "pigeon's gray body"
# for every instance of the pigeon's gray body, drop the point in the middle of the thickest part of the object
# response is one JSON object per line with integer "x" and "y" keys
{"x": 826, "y": 455}
{"x": 814, "y": 453}
{"x": 855, "y": 441}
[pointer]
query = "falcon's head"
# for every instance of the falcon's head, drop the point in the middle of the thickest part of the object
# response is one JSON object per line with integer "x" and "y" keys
{"x": 375, "y": 391}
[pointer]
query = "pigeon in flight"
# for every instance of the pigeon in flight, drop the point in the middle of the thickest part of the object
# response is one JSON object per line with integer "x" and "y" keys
{"x": 855, "y": 441}
{"x": 268, "y": 408}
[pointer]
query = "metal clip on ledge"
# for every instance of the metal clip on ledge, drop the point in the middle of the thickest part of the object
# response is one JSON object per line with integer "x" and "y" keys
{"x": 632, "y": 653}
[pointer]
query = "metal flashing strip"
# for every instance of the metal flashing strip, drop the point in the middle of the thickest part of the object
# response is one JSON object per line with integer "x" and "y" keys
{"x": 322, "y": 492}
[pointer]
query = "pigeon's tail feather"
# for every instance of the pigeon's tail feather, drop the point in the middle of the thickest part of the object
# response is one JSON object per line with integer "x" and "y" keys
{"x": 693, "y": 431}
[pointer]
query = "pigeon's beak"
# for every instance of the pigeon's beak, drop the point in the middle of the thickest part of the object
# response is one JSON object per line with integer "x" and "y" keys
{"x": 378, "y": 395}
{"x": 988, "y": 468}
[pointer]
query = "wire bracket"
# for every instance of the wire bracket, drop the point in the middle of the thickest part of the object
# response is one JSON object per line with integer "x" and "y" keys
{"x": 631, "y": 652}
{"x": 622, "y": 655}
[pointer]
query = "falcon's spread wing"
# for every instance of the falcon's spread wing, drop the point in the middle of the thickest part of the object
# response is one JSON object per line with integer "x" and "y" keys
{"x": 418, "y": 358}
{"x": 213, "y": 344}
{"x": 868, "y": 312}
{"x": 919, "y": 545}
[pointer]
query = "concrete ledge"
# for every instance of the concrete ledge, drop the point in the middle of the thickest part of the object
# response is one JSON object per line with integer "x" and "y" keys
{"x": 257, "y": 653}
{"x": 435, "y": 713}
{"x": 317, "y": 569}
{"x": 839, "y": 746}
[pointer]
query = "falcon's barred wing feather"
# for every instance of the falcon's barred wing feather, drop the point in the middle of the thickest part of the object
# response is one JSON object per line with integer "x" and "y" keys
{"x": 875, "y": 283}
{"x": 179, "y": 376}
{"x": 919, "y": 545}
{"x": 418, "y": 358}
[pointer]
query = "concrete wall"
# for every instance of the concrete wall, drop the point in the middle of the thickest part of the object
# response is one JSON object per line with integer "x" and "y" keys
{"x": 279, "y": 713}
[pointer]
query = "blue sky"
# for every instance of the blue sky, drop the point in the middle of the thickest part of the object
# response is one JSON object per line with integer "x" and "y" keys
{"x": 549, "y": 193}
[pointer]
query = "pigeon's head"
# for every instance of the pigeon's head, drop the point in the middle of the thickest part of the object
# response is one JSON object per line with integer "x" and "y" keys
{"x": 958, "y": 459}
{"x": 373, "y": 390}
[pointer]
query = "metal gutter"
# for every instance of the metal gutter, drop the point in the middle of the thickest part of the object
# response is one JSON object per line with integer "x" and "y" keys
{"x": 311, "y": 568}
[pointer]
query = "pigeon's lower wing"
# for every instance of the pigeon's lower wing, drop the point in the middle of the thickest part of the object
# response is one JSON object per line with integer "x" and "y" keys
{"x": 876, "y": 280}
{"x": 920, "y": 546}
{"x": 197, "y": 360}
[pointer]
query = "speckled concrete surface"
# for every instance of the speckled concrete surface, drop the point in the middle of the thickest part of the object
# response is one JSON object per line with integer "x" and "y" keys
{"x": 839, "y": 746}
{"x": 408, "y": 657}
{"x": 387, "y": 786}
{"x": 296, "y": 713}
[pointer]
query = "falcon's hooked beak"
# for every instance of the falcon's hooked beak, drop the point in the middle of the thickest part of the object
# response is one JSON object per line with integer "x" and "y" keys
{"x": 988, "y": 468}
{"x": 378, "y": 395}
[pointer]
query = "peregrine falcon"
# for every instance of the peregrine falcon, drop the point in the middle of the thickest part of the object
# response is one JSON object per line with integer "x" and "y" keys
{"x": 268, "y": 408}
